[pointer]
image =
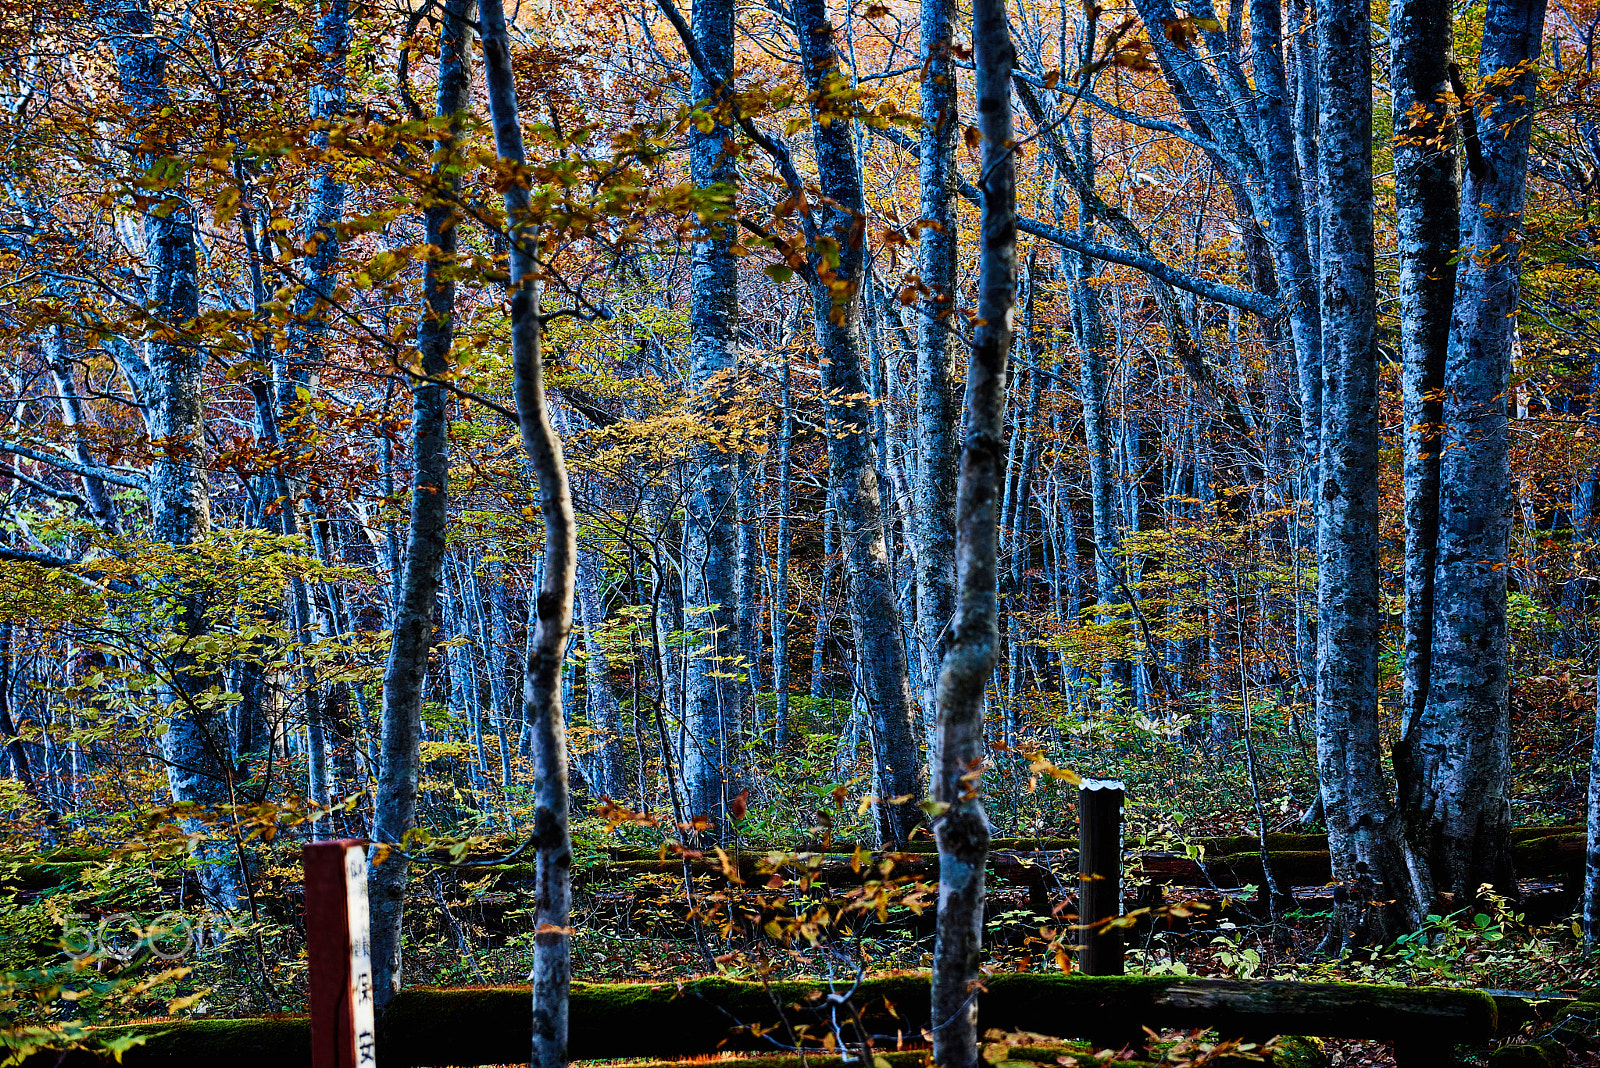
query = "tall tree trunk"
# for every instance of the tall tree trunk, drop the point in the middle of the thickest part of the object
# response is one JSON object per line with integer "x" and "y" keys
{"x": 714, "y": 697}
{"x": 552, "y": 955}
{"x": 962, "y": 828}
{"x": 1460, "y": 746}
{"x": 1355, "y": 796}
{"x": 938, "y": 376}
{"x": 1428, "y": 203}
{"x": 405, "y": 672}
{"x": 196, "y": 747}
{"x": 836, "y": 304}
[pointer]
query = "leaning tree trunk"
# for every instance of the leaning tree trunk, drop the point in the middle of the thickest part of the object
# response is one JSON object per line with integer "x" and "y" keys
{"x": 1361, "y": 834}
{"x": 836, "y": 305}
{"x": 1460, "y": 811}
{"x": 1428, "y": 212}
{"x": 552, "y": 956}
{"x": 412, "y": 622}
{"x": 962, "y": 828}
{"x": 196, "y": 747}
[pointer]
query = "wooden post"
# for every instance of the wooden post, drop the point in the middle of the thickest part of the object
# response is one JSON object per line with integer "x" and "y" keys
{"x": 340, "y": 955}
{"x": 1099, "y": 875}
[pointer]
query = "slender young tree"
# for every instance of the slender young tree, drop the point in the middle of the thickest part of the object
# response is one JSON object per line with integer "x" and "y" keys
{"x": 938, "y": 377}
{"x": 395, "y": 809}
{"x": 549, "y": 630}
{"x": 961, "y": 827}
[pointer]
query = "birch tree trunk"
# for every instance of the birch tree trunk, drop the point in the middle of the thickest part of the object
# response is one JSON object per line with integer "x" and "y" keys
{"x": 1460, "y": 748}
{"x": 547, "y": 640}
{"x": 404, "y": 673}
{"x": 838, "y": 278}
{"x": 962, "y": 829}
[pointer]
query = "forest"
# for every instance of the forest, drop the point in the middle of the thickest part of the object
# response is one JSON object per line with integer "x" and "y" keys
{"x": 820, "y": 531}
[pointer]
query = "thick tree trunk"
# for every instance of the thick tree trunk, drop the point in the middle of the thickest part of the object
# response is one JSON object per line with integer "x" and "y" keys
{"x": 1427, "y": 199}
{"x": 714, "y": 696}
{"x": 1460, "y": 746}
{"x": 196, "y": 747}
{"x": 836, "y": 303}
{"x": 547, "y": 639}
{"x": 1355, "y": 796}
{"x": 962, "y": 828}
{"x": 394, "y": 811}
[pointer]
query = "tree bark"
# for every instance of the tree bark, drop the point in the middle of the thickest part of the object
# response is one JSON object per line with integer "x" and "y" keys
{"x": 937, "y": 373}
{"x": 547, "y": 640}
{"x": 394, "y": 811}
{"x": 837, "y": 279}
{"x": 196, "y": 747}
{"x": 962, "y": 828}
{"x": 600, "y": 698}
{"x": 1460, "y": 745}
{"x": 1361, "y": 832}
{"x": 1428, "y": 214}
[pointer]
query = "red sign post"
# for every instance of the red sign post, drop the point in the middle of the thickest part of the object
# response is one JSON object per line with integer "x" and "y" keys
{"x": 340, "y": 955}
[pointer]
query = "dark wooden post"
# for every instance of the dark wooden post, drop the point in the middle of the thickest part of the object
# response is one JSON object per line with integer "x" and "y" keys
{"x": 1099, "y": 875}
{"x": 339, "y": 954}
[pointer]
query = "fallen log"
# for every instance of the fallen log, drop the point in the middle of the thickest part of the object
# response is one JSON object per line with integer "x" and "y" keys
{"x": 425, "y": 1027}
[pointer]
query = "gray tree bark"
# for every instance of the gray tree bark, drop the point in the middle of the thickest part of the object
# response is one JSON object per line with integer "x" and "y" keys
{"x": 1428, "y": 214}
{"x": 196, "y": 747}
{"x": 552, "y": 956}
{"x": 780, "y": 579}
{"x": 937, "y": 373}
{"x": 962, "y": 828}
{"x": 712, "y": 607}
{"x": 837, "y": 277}
{"x": 600, "y": 698}
{"x": 1355, "y": 796}
{"x": 395, "y": 807}
{"x": 1458, "y": 805}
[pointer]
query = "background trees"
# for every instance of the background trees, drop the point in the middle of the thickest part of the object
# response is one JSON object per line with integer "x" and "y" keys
{"x": 262, "y": 396}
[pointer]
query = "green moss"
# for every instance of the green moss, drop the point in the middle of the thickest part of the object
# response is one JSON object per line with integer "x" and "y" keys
{"x": 656, "y": 1021}
{"x": 1289, "y": 867}
{"x": 1541, "y": 1054}
{"x": 1300, "y": 1051}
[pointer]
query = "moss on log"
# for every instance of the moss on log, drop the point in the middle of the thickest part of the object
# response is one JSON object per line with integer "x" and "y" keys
{"x": 492, "y": 1025}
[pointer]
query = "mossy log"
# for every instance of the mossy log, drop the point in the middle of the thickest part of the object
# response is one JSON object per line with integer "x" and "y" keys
{"x": 1553, "y": 856}
{"x": 492, "y": 1025}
